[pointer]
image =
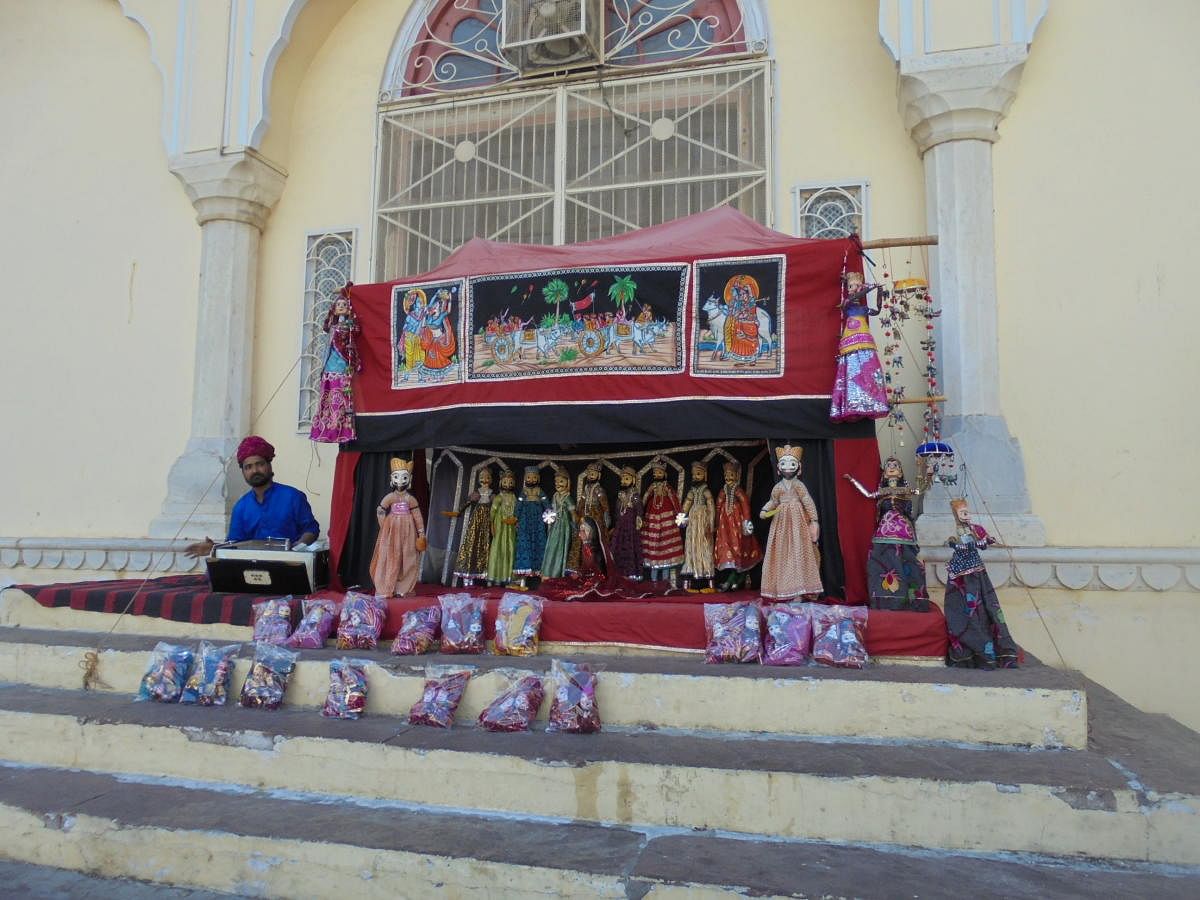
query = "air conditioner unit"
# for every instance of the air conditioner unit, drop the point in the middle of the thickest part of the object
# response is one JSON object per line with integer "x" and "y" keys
{"x": 553, "y": 35}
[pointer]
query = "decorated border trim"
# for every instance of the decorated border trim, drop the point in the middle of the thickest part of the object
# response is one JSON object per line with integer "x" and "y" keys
{"x": 508, "y": 403}
{"x": 677, "y": 367}
{"x": 450, "y": 378}
{"x": 697, "y": 369}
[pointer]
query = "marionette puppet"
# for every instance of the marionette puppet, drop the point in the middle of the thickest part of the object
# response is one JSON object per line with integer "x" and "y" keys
{"x": 625, "y": 544}
{"x": 895, "y": 573}
{"x": 561, "y": 519}
{"x": 979, "y": 636}
{"x": 396, "y": 562}
{"x": 531, "y": 527}
{"x": 662, "y": 547}
{"x": 858, "y": 389}
{"x": 736, "y": 550}
{"x": 593, "y": 560}
{"x": 333, "y": 422}
{"x": 591, "y": 506}
{"x": 504, "y": 531}
{"x": 472, "y": 561}
{"x": 699, "y": 521}
{"x": 791, "y": 565}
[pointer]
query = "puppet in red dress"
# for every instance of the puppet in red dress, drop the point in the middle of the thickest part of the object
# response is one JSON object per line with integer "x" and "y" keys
{"x": 662, "y": 547}
{"x": 736, "y": 549}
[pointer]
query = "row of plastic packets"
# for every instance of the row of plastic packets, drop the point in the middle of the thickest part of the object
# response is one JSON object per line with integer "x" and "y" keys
{"x": 418, "y": 629}
{"x": 347, "y": 697}
{"x": 517, "y": 705}
{"x": 440, "y": 696}
{"x": 462, "y": 623}
{"x": 787, "y": 639}
{"x": 839, "y": 635}
{"x": 165, "y": 676}
{"x": 573, "y": 707}
{"x": 361, "y": 621}
{"x": 316, "y": 626}
{"x": 267, "y": 682}
{"x": 273, "y": 620}
{"x": 518, "y": 621}
{"x": 208, "y": 685}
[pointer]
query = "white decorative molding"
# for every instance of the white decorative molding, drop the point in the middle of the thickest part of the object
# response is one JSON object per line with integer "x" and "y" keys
{"x": 117, "y": 555}
{"x": 1157, "y": 569}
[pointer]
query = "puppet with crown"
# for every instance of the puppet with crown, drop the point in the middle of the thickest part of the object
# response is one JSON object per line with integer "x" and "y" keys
{"x": 396, "y": 562}
{"x": 791, "y": 565}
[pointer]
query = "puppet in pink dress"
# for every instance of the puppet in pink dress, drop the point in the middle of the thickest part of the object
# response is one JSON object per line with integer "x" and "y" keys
{"x": 333, "y": 422}
{"x": 859, "y": 391}
{"x": 791, "y": 566}
{"x": 396, "y": 562}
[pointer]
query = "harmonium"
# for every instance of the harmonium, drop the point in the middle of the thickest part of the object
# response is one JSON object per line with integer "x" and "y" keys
{"x": 267, "y": 567}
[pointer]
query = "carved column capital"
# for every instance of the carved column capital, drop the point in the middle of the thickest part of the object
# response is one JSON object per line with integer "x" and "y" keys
{"x": 236, "y": 187}
{"x": 959, "y": 94}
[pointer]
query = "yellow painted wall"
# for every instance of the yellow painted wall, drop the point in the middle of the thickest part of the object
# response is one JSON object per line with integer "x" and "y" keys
{"x": 100, "y": 253}
{"x": 1096, "y": 187}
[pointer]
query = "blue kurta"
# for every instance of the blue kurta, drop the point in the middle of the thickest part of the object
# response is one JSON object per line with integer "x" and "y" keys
{"x": 283, "y": 513}
{"x": 531, "y": 534}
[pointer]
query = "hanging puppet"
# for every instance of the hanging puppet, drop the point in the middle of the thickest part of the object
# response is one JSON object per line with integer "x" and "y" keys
{"x": 859, "y": 391}
{"x": 333, "y": 422}
{"x": 396, "y": 562}
{"x": 472, "y": 561}
{"x": 531, "y": 527}
{"x": 561, "y": 518}
{"x": 979, "y": 635}
{"x": 662, "y": 547}
{"x": 736, "y": 549}
{"x": 504, "y": 531}
{"x": 699, "y": 521}
{"x": 592, "y": 508}
{"x": 791, "y": 566}
{"x": 895, "y": 573}
{"x": 626, "y": 541}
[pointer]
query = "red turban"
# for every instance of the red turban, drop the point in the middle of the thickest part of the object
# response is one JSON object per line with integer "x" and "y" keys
{"x": 254, "y": 446}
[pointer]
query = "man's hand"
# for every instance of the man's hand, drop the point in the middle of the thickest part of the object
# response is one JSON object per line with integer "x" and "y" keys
{"x": 200, "y": 548}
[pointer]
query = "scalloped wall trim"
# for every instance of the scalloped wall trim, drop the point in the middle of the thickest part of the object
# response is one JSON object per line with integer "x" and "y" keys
{"x": 1084, "y": 568}
{"x": 117, "y": 555}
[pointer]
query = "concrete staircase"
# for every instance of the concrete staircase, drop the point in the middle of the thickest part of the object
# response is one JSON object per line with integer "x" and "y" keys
{"x": 707, "y": 781}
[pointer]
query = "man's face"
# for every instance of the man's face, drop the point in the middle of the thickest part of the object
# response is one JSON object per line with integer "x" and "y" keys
{"x": 257, "y": 471}
{"x": 699, "y": 473}
{"x": 485, "y": 478}
{"x": 626, "y": 480}
{"x": 892, "y": 469}
{"x": 532, "y": 479}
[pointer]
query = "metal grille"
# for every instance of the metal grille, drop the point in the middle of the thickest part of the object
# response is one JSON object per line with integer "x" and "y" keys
{"x": 328, "y": 262}
{"x": 570, "y": 163}
{"x": 830, "y": 210}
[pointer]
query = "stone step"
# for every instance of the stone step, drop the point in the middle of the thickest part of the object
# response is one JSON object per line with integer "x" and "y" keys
{"x": 271, "y": 844}
{"x": 1034, "y": 706}
{"x": 934, "y": 796}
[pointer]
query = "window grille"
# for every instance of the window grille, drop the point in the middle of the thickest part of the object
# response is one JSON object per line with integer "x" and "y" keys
{"x": 572, "y": 162}
{"x": 830, "y": 210}
{"x": 328, "y": 264}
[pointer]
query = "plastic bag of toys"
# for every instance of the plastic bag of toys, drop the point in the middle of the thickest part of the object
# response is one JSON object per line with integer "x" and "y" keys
{"x": 839, "y": 635}
{"x": 787, "y": 639}
{"x": 267, "y": 682}
{"x": 515, "y": 708}
{"x": 573, "y": 705}
{"x": 166, "y": 674}
{"x": 462, "y": 623}
{"x": 208, "y": 685}
{"x": 732, "y": 632}
{"x": 347, "y": 697}
{"x": 443, "y": 690}
{"x": 361, "y": 622}
{"x": 273, "y": 620}
{"x": 518, "y": 621}
{"x": 418, "y": 627}
{"x": 316, "y": 626}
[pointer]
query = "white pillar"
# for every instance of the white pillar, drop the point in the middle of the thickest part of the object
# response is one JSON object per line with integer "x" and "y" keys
{"x": 233, "y": 194}
{"x": 953, "y": 103}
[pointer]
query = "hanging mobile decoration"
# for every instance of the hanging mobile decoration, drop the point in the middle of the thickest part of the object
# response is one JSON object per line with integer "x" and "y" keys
{"x": 936, "y": 456}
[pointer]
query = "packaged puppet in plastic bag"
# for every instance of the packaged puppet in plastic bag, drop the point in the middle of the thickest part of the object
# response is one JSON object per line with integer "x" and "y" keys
{"x": 347, "y": 697}
{"x": 418, "y": 628}
{"x": 515, "y": 708}
{"x": 462, "y": 623}
{"x": 273, "y": 620}
{"x": 732, "y": 632}
{"x": 518, "y": 621}
{"x": 166, "y": 674}
{"x": 208, "y": 684}
{"x": 787, "y": 640}
{"x": 443, "y": 690}
{"x": 839, "y": 635}
{"x": 573, "y": 705}
{"x": 267, "y": 682}
{"x": 361, "y": 622}
{"x": 316, "y": 626}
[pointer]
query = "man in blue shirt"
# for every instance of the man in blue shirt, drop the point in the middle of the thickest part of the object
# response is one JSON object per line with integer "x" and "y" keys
{"x": 267, "y": 510}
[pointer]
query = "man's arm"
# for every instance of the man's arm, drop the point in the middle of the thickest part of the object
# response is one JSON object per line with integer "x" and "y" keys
{"x": 306, "y": 522}
{"x": 237, "y": 532}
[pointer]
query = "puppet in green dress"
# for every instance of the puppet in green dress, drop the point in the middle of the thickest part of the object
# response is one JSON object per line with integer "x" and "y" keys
{"x": 504, "y": 531}
{"x": 562, "y": 527}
